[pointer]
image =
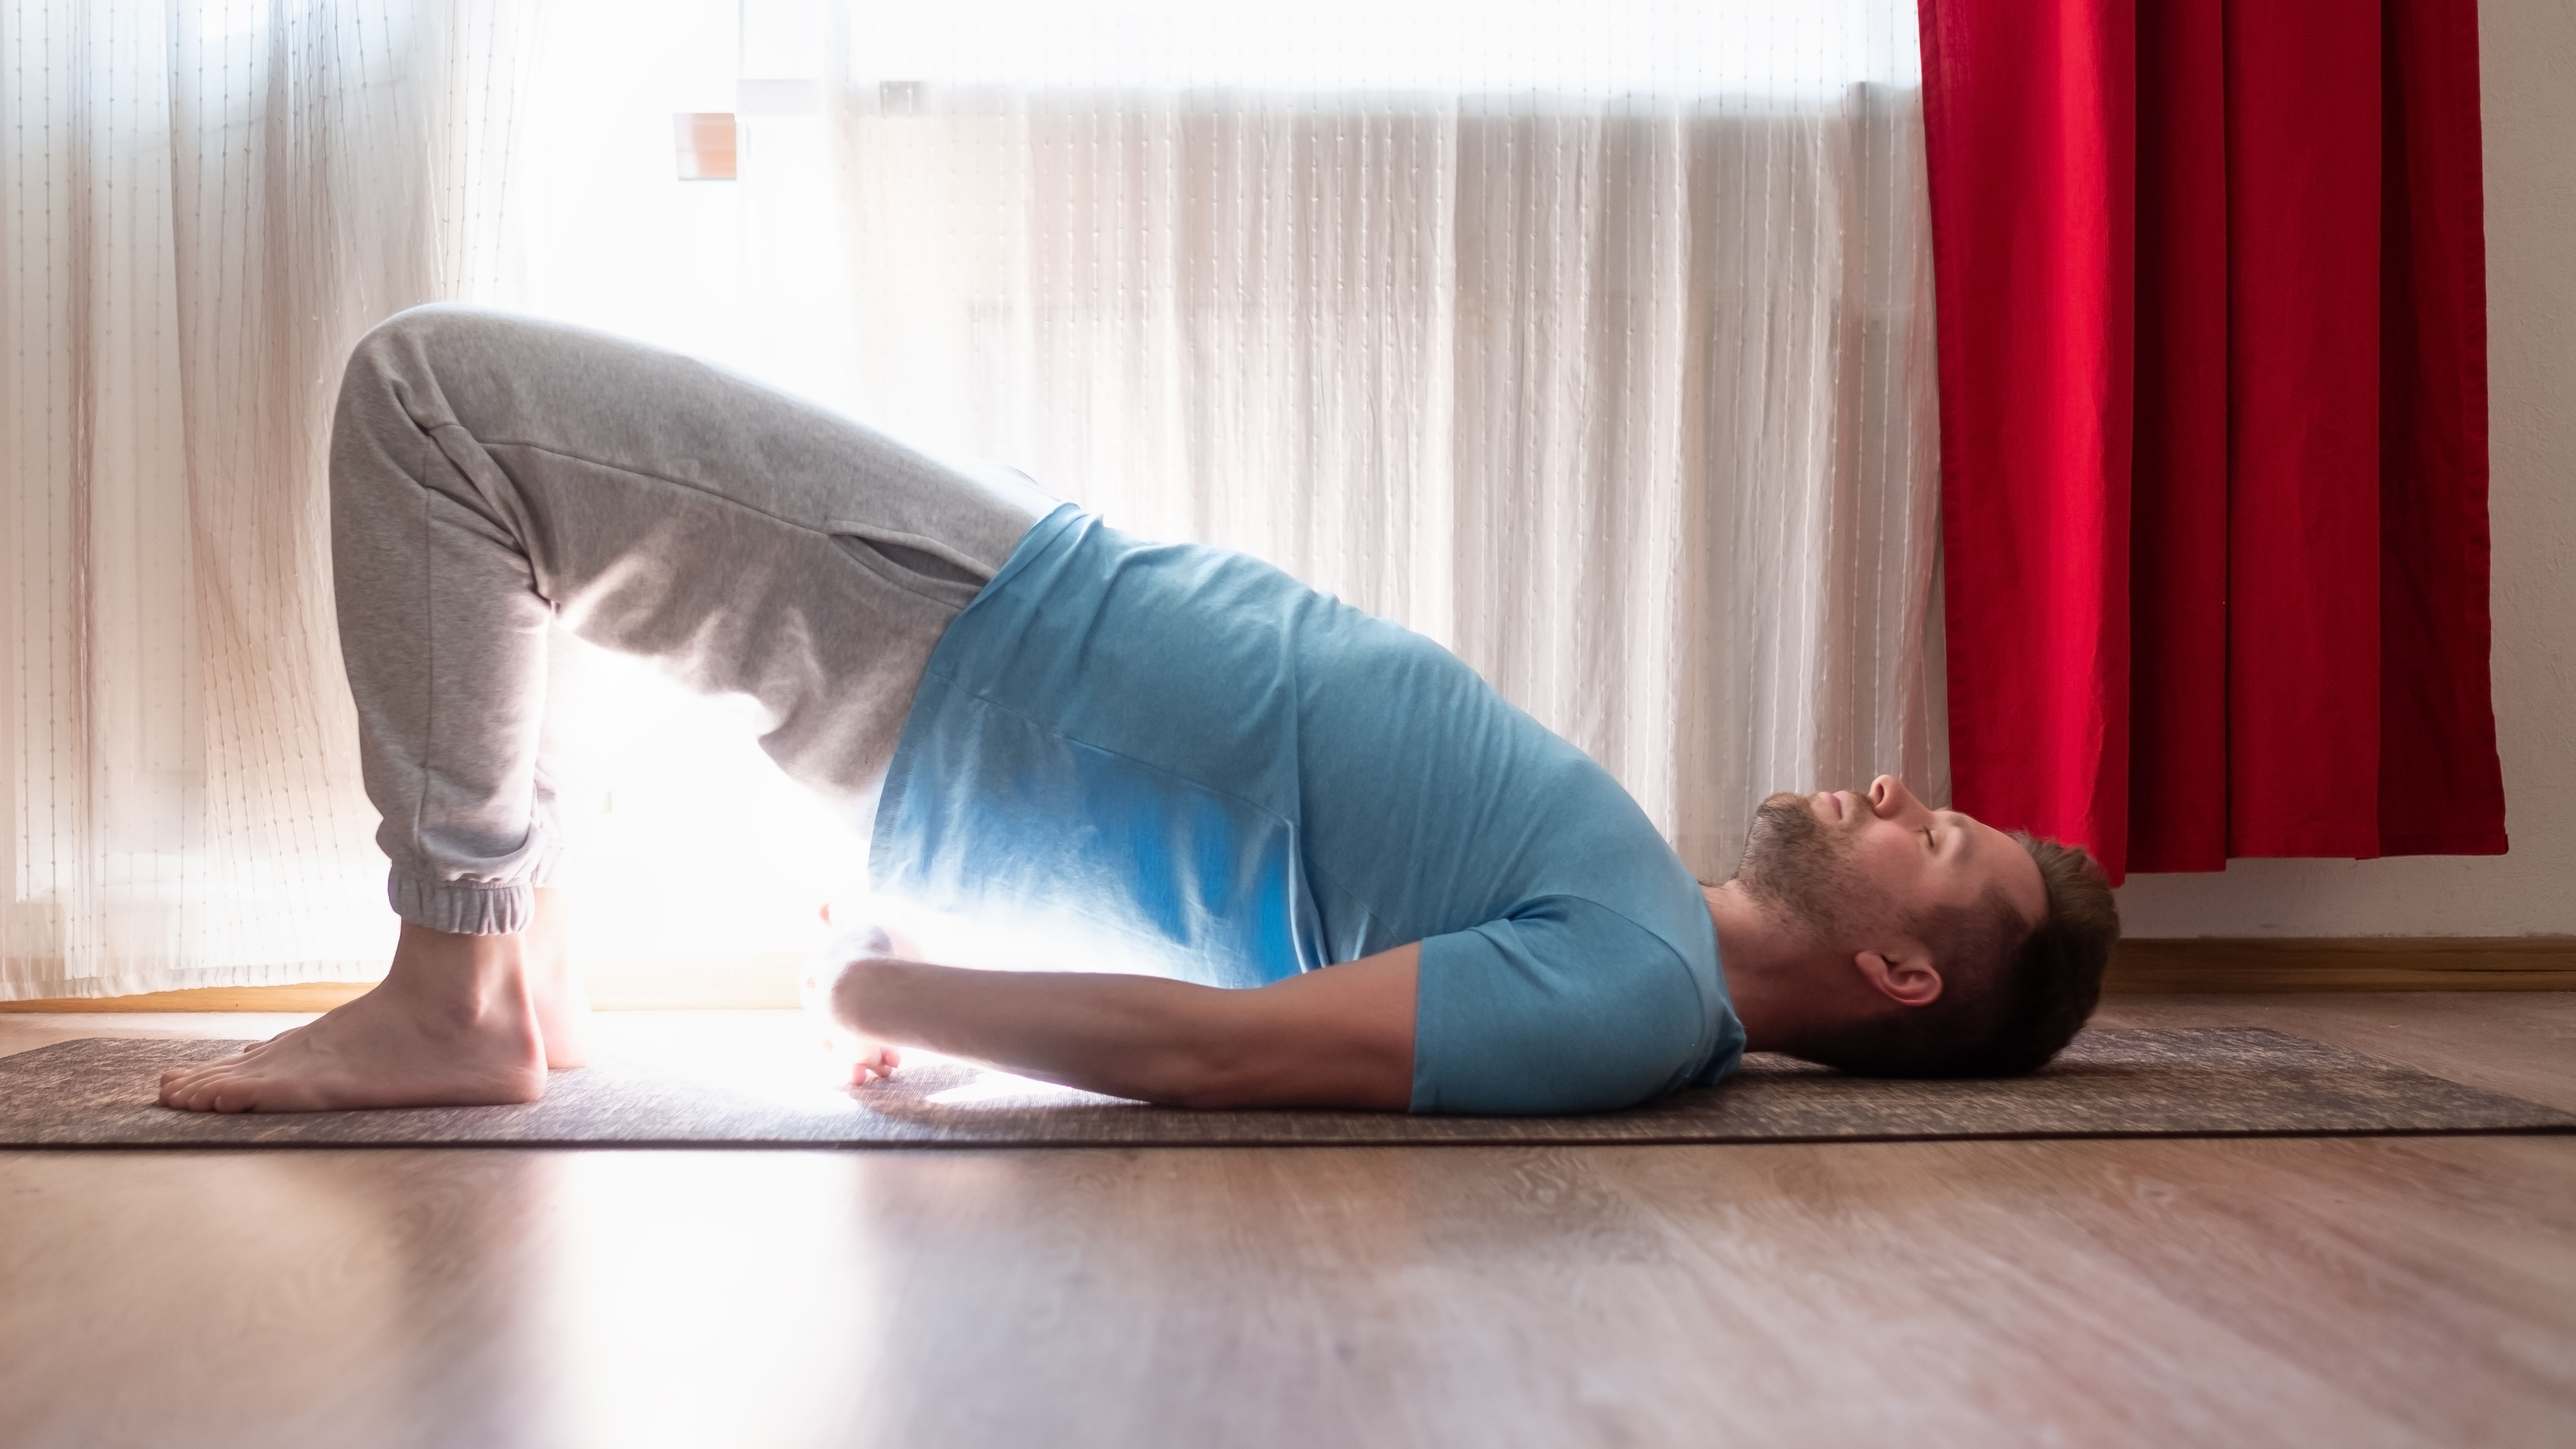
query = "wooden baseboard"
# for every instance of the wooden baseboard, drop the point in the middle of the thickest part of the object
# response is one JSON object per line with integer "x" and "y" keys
{"x": 2235, "y": 964}
{"x": 764, "y": 982}
{"x": 302, "y": 996}
{"x": 2138, "y": 968}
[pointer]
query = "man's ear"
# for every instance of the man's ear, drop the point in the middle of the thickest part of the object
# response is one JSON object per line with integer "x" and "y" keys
{"x": 1907, "y": 978}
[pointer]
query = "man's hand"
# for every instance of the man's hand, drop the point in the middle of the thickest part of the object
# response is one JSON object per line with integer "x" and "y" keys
{"x": 850, "y": 1059}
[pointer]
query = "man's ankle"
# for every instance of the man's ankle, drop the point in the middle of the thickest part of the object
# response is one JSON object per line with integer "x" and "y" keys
{"x": 469, "y": 979}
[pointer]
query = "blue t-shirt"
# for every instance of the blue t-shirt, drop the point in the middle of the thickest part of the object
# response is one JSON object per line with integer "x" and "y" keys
{"x": 1238, "y": 778}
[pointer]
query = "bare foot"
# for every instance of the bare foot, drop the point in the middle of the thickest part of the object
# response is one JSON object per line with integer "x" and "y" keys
{"x": 554, "y": 986}
{"x": 452, "y": 1025}
{"x": 554, "y": 981}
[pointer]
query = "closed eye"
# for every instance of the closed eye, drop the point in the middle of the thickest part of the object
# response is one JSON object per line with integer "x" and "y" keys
{"x": 1933, "y": 844}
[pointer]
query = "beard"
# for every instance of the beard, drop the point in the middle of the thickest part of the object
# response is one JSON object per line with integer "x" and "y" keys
{"x": 1802, "y": 874}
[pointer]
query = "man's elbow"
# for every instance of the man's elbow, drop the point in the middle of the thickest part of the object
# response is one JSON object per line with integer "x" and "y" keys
{"x": 1202, "y": 1080}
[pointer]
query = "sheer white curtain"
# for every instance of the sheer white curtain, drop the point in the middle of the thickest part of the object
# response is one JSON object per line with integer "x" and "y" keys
{"x": 1594, "y": 341}
{"x": 201, "y": 205}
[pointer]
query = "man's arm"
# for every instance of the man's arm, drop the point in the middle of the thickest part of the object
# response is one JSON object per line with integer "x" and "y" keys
{"x": 1339, "y": 1037}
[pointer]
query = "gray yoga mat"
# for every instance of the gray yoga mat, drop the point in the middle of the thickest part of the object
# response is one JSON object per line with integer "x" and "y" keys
{"x": 2202, "y": 1081}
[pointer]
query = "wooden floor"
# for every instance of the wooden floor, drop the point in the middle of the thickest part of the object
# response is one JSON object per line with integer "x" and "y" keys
{"x": 2355, "y": 1292}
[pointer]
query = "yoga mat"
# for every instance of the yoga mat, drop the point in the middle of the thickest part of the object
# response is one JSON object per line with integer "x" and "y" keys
{"x": 2190, "y": 1082}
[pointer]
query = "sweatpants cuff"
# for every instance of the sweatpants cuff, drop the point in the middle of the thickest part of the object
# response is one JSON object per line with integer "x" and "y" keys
{"x": 464, "y": 908}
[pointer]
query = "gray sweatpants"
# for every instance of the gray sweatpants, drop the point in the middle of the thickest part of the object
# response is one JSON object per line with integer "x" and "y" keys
{"x": 493, "y": 478}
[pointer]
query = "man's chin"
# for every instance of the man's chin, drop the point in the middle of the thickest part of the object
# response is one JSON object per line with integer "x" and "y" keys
{"x": 1795, "y": 867}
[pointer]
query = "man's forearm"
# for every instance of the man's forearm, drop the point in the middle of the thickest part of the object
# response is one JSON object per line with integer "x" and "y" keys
{"x": 1130, "y": 1036}
{"x": 1339, "y": 1037}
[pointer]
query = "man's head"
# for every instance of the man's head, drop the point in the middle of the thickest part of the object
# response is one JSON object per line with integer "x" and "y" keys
{"x": 1946, "y": 947}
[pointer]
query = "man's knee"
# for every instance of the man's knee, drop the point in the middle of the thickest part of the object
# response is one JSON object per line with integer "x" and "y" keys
{"x": 390, "y": 352}
{"x": 424, "y": 337}
{"x": 433, "y": 323}
{"x": 391, "y": 393}
{"x": 401, "y": 375}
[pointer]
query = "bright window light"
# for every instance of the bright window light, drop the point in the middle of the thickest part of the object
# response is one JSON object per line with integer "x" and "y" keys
{"x": 695, "y": 844}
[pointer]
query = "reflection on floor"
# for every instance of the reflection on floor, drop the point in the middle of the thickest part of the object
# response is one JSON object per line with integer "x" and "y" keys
{"x": 2362, "y": 1292}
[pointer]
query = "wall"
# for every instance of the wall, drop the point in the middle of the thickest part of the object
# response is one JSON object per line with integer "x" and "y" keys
{"x": 2529, "y": 51}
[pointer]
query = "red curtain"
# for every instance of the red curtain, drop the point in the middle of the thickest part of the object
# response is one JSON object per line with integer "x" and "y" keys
{"x": 2212, "y": 303}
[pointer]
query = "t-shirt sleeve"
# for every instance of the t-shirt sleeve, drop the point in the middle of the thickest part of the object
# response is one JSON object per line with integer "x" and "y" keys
{"x": 1565, "y": 1006}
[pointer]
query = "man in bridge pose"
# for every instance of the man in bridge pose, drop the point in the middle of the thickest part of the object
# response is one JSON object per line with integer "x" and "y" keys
{"x": 1349, "y": 873}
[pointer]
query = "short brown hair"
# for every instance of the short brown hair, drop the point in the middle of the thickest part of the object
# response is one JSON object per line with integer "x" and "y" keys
{"x": 2038, "y": 981}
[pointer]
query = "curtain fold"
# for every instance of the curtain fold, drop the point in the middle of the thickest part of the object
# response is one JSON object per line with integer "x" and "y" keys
{"x": 2213, "y": 396}
{"x": 204, "y": 205}
{"x": 2029, "y": 117}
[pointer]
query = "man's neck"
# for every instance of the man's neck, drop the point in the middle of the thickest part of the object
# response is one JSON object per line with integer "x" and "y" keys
{"x": 1770, "y": 971}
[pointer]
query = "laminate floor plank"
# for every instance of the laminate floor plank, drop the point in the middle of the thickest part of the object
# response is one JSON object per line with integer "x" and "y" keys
{"x": 2363, "y": 1292}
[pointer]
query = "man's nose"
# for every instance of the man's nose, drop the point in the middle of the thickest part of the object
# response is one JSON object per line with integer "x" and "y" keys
{"x": 1889, "y": 799}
